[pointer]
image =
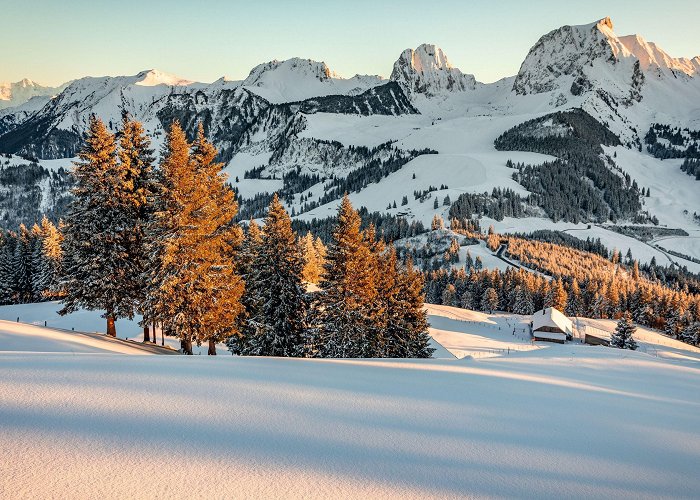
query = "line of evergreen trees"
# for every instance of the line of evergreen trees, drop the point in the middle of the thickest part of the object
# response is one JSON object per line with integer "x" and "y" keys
{"x": 161, "y": 240}
{"x": 581, "y": 284}
{"x": 368, "y": 304}
{"x": 30, "y": 263}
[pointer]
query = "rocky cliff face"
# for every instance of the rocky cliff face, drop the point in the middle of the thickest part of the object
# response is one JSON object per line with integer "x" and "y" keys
{"x": 426, "y": 70}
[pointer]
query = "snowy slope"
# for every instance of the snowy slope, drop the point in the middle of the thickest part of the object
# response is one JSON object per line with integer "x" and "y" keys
{"x": 298, "y": 79}
{"x": 548, "y": 422}
{"x": 20, "y": 337}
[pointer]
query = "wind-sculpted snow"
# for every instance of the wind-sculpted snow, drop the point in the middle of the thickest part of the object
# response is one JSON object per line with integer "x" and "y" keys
{"x": 566, "y": 421}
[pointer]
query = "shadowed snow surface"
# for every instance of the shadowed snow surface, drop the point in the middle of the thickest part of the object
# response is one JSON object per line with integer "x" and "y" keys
{"x": 556, "y": 421}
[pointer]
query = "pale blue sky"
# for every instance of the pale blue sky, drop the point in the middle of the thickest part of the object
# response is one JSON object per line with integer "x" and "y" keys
{"x": 52, "y": 41}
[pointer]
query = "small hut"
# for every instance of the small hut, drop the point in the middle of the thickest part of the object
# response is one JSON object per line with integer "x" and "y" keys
{"x": 552, "y": 326}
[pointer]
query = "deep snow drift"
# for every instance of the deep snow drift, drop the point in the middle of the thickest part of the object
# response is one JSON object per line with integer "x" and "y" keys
{"x": 554, "y": 421}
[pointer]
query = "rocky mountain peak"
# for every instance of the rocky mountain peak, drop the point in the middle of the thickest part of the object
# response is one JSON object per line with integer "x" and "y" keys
{"x": 426, "y": 70}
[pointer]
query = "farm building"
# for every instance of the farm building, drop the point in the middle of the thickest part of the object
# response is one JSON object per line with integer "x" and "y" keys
{"x": 551, "y": 325}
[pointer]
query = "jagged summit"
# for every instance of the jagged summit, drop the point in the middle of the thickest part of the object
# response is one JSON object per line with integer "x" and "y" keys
{"x": 17, "y": 93}
{"x": 652, "y": 57}
{"x": 581, "y": 58}
{"x": 426, "y": 70}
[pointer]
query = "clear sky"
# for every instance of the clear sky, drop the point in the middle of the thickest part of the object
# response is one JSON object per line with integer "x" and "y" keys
{"x": 51, "y": 41}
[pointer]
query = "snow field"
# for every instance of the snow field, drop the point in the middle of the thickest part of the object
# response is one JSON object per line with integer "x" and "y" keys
{"x": 578, "y": 423}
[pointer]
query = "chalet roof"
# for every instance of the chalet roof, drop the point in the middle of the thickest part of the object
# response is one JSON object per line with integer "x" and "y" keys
{"x": 552, "y": 318}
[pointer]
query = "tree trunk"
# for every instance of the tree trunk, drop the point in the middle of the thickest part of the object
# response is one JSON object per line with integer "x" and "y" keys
{"x": 212, "y": 348}
{"x": 147, "y": 335}
{"x": 187, "y": 346}
{"x": 162, "y": 335}
{"x": 111, "y": 328}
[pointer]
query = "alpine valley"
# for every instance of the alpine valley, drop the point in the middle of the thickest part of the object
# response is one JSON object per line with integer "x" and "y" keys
{"x": 597, "y": 135}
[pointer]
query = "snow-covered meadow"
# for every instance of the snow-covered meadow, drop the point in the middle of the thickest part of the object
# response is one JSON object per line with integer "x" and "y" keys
{"x": 534, "y": 421}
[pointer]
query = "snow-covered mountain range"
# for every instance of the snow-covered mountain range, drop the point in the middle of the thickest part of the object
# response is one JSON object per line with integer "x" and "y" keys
{"x": 299, "y": 116}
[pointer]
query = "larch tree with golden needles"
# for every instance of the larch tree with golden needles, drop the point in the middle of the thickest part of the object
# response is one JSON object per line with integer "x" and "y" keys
{"x": 343, "y": 309}
{"x": 197, "y": 290}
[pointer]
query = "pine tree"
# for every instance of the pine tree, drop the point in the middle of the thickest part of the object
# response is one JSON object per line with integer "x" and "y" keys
{"x": 623, "y": 338}
{"x": 312, "y": 261}
{"x": 559, "y": 295}
{"x": 407, "y": 327}
{"x": 101, "y": 272}
{"x": 278, "y": 326}
{"x": 246, "y": 258}
{"x": 198, "y": 295}
{"x": 489, "y": 300}
{"x": 48, "y": 259}
{"x": 22, "y": 267}
{"x": 342, "y": 309}
{"x": 7, "y": 251}
{"x": 136, "y": 162}
{"x": 449, "y": 296}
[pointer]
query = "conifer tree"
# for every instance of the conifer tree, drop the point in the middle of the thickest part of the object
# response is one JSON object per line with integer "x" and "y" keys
{"x": 312, "y": 261}
{"x": 449, "y": 296}
{"x": 198, "y": 296}
{"x": 343, "y": 307}
{"x": 101, "y": 272}
{"x": 7, "y": 242}
{"x": 410, "y": 320}
{"x": 136, "y": 161}
{"x": 559, "y": 295}
{"x": 246, "y": 257}
{"x": 489, "y": 300}
{"x": 48, "y": 258}
{"x": 466, "y": 300}
{"x": 623, "y": 338}
{"x": 22, "y": 266}
{"x": 278, "y": 324}
{"x": 574, "y": 303}
{"x": 523, "y": 301}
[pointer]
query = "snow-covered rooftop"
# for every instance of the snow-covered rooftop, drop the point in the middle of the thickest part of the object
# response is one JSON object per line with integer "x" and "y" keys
{"x": 551, "y": 318}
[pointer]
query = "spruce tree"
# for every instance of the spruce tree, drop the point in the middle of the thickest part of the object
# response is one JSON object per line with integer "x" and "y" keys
{"x": 406, "y": 333}
{"x": 489, "y": 300}
{"x": 559, "y": 295}
{"x": 278, "y": 325}
{"x": 136, "y": 161}
{"x": 7, "y": 250}
{"x": 198, "y": 295}
{"x": 22, "y": 267}
{"x": 623, "y": 338}
{"x": 101, "y": 272}
{"x": 246, "y": 258}
{"x": 48, "y": 259}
